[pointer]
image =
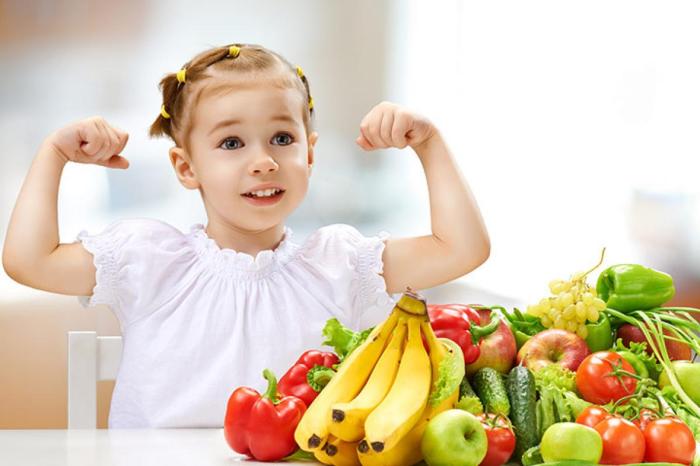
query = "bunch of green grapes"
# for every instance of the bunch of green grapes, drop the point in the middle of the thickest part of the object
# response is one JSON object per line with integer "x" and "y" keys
{"x": 573, "y": 304}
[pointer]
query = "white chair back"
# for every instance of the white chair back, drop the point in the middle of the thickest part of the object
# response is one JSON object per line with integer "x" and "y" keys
{"x": 91, "y": 358}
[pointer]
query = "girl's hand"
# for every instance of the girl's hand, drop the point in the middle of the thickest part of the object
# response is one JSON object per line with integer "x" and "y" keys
{"x": 90, "y": 141}
{"x": 390, "y": 125}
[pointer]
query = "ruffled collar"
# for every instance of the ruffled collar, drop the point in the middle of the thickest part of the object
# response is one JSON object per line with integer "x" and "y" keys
{"x": 226, "y": 259}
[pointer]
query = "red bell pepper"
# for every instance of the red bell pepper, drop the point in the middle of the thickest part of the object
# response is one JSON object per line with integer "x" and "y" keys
{"x": 461, "y": 324}
{"x": 262, "y": 426}
{"x": 308, "y": 375}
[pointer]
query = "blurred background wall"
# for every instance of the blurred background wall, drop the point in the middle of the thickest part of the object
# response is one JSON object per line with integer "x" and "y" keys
{"x": 574, "y": 123}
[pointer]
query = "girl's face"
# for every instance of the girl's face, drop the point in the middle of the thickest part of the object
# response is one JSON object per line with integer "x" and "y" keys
{"x": 243, "y": 144}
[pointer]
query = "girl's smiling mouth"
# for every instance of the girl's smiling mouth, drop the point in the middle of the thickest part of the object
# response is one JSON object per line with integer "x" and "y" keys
{"x": 264, "y": 197}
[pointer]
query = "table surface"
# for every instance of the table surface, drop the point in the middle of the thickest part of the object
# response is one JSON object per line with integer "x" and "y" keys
{"x": 127, "y": 447}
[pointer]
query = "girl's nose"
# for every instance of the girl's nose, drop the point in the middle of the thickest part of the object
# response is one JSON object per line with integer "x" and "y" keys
{"x": 264, "y": 164}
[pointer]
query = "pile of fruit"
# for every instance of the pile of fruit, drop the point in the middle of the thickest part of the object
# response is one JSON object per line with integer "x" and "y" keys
{"x": 589, "y": 375}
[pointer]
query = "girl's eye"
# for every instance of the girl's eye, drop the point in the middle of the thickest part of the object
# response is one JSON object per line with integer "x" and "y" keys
{"x": 231, "y": 144}
{"x": 282, "y": 139}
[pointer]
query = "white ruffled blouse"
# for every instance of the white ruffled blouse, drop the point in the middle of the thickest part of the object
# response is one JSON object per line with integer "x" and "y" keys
{"x": 199, "y": 321}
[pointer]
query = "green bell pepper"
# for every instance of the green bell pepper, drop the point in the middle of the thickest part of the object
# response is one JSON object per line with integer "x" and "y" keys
{"x": 636, "y": 362}
{"x": 520, "y": 338}
{"x": 523, "y": 326}
{"x": 632, "y": 287}
{"x": 600, "y": 334}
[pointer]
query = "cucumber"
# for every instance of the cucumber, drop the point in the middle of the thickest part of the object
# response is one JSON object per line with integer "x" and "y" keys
{"x": 468, "y": 401}
{"x": 465, "y": 389}
{"x": 491, "y": 390}
{"x": 522, "y": 396}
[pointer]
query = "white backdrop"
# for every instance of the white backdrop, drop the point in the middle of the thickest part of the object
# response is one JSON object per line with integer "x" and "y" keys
{"x": 574, "y": 122}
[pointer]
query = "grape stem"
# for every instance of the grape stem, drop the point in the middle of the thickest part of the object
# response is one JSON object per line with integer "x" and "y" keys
{"x": 602, "y": 256}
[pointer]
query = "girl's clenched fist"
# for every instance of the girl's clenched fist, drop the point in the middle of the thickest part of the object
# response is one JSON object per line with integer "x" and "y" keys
{"x": 390, "y": 125}
{"x": 91, "y": 140}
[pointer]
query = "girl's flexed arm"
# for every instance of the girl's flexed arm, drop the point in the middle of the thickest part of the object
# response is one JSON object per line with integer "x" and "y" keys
{"x": 459, "y": 242}
{"x": 32, "y": 254}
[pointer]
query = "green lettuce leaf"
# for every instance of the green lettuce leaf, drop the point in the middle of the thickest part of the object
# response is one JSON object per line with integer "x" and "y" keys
{"x": 300, "y": 455}
{"x": 470, "y": 404}
{"x": 342, "y": 339}
{"x": 640, "y": 349}
{"x": 576, "y": 404}
{"x": 556, "y": 375}
{"x": 450, "y": 373}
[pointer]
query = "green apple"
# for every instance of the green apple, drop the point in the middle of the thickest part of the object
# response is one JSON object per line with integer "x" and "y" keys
{"x": 571, "y": 441}
{"x": 454, "y": 438}
{"x": 688, "y": 375}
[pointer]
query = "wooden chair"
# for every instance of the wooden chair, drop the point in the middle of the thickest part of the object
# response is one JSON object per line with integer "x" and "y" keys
{"x": 91, "y": 358}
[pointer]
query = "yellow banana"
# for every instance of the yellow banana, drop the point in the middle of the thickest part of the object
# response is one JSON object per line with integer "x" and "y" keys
{"x": 322, "y": 456}
{"x": 338, "y": 453}
{"x": 348, "y": 419}
{"x": 408, "y": 451}
{"x": 312, "y": 431}
{"x": 403, "y": 405}
{"x": 412, "y": 303}
{"x": 438, "y": 351}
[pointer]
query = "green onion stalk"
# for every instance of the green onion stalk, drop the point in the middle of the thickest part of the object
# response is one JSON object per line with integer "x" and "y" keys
{"x": 681, "y": 325}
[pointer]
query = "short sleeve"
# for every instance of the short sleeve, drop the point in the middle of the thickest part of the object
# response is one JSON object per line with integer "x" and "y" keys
{"x": 138, "y": 262}
{"x": 354, "y": 262}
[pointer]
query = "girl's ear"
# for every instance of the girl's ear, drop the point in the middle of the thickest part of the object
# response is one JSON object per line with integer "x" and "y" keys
{"x": 183, "y": 167}
{"x": 313, "y": 137}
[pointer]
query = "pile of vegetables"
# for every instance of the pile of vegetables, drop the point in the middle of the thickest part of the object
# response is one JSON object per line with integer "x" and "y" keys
{"x": 643, "y": 387}
{"x": 589, "y": 375}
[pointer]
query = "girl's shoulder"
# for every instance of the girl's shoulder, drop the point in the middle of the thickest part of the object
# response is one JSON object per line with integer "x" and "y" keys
{"x": 341, "y": 240}
{"x": 342, "y": 233}
{"x": 138, "y": 226}
{"x": 142, "y": 235}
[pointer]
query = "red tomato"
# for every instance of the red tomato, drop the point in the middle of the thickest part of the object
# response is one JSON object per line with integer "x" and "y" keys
{"x": 500, "y": 437}
{"x": 592, "y": 416}
{"x": 596, "y": 379}
{"x": 669, "y": 440}
{"x": 623, "y": 442}
{"x": 644, "y": 418}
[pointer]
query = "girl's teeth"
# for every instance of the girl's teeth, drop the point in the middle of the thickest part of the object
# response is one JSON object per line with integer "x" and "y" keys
{"x": 265, "y": 193}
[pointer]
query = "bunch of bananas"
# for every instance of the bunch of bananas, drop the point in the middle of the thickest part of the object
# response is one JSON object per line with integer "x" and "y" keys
{"x": 375, "y": 409}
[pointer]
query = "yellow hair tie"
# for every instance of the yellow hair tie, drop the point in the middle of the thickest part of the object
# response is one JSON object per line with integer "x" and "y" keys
{"x": 311, "y": 103}
{"x": 234, "y": 51}
{"x": 181, "y": 75}
{"x": 300, "y": 72}
{"x": 163, "y": 113}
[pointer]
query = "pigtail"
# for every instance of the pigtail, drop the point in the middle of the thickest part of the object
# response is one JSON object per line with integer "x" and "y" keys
{"x": 163, "y": 124}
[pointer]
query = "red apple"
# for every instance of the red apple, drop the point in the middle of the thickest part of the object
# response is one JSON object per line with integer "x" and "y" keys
{"x": 676, "y": 350}
{"x": 553, "y": 346}
{"x": 497, "y": 350}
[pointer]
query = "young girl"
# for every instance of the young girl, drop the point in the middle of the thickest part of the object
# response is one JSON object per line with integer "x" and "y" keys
{"x": 205, "y": 311}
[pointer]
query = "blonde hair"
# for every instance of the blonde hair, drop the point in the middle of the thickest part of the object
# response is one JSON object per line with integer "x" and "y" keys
{"x": 180, "y": 96}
